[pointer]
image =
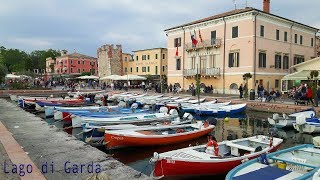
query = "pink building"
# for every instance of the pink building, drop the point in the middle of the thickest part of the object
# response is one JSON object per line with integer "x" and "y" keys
{"x": 75, "y": 63}
{"x": 227, "y": 45}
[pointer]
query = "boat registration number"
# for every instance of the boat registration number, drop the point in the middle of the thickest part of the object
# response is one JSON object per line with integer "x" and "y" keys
{"x": 170, "y": 161}
{"x": 117, "y": 138}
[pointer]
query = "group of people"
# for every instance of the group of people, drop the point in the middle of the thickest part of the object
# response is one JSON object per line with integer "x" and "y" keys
{"x": 262, "y": 93}
{"x": 304, "y": 92}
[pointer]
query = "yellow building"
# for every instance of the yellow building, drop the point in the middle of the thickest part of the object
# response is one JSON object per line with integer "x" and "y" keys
{"x": 146, "y": 62}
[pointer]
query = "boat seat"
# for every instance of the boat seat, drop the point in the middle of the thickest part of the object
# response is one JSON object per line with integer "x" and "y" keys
{"x": 146, "y": 132}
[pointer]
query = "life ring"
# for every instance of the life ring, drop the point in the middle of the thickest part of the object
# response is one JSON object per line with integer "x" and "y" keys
{"x": 179, "y": 130}
{"x": 166, "y": 123}
{"x": 214, "y": 144}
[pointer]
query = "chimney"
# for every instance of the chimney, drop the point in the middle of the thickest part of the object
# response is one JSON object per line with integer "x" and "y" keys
{"x": 266, "y": 6}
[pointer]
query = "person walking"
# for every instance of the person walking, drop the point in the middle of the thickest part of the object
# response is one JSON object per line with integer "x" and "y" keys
{"x": 309, "y": 95}
{"x": 260, "y": 91}
{"x": 241, "y": 91}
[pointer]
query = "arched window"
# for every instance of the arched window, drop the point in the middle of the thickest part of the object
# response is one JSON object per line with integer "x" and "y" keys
{"x": 233, "y": 86}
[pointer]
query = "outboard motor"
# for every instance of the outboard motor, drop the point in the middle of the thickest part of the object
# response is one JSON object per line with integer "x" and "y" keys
{"x": 163, "y": 110}
{"x": 187, "y": 116}
{"x": 212, "y": 121}
{"x": 134, "y": 106}
{"x": 122, "y": 104}
{"x": 173, "y": 112}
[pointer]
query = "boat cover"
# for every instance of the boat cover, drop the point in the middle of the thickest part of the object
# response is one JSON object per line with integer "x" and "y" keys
{"x": 266, "y": 173}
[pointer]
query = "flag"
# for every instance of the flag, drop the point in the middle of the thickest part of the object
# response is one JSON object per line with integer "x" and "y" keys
{"x": 193, "y": 39}
{"x": 200, "y": 36}
{"x": 177, "y": 52}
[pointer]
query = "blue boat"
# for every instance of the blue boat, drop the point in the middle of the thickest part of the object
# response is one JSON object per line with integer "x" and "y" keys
{"x": 299, "y": 162}
{"x": 221, "y": 111}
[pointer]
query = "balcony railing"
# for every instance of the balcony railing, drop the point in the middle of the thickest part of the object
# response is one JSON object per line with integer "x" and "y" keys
{"x": 190, "y": 72}
{"x": 210, "y": 71}
{"x": 210, "y": 43}
{"x": 203, "y": 72}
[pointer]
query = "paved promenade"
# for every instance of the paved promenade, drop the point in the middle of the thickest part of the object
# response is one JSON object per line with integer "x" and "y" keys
{"x": 28, "y": 139}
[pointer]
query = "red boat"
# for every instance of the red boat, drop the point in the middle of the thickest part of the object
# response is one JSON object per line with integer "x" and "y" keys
{"x": 203, "y": 160}
{"x": 155, "y": 136}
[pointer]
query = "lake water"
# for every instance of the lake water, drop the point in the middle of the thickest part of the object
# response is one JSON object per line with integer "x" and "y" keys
{"x": 247, "y": 124}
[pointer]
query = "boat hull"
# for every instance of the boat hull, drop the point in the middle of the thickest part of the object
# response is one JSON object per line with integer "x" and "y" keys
{"x": 118, "y": 140}
{"x": 168, "y": 167}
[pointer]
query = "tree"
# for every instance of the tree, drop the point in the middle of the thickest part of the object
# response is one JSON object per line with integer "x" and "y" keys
{"x": 246, "y": 78}
{"x": 85, "y": 74}
{"x": 314, "y": 77}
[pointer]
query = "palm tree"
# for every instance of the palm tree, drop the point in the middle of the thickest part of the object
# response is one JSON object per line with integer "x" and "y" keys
{"x": 246, "y": 78}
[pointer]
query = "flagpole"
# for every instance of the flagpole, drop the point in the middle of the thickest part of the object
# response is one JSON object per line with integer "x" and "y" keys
{"x": 198, "y": 84}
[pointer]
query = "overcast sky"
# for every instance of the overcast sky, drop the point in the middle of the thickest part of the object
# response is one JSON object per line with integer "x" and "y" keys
{"x": 85, "y": 25}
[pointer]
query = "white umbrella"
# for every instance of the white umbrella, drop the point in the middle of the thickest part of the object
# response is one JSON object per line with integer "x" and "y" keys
{"x": 88, "y": 77}
{"x": 132, "y": 77}
{"x": 111, "y": 77}
{"x": 12, "y": 76}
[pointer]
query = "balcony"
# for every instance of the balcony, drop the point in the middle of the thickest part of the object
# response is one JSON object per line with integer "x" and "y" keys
{"x": 213, "y": 43}
{"x": 203, "y": 72}
{"x": 210, "y": 71}
{"x": 190, "y": 72}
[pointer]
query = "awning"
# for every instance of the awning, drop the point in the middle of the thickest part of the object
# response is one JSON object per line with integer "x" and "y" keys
{"x": 111, "y": 77}
{"x": 300, "y": 75}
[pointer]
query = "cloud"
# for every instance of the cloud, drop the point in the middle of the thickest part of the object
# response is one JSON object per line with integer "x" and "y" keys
{"x": 136, "y": 24}
{"x": 34, "y": 43}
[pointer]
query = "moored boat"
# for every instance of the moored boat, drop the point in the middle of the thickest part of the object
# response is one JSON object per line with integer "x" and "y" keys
{"x": 299, "y": 162}
{"x": 287, "y": 121}
{"x": 203, "y": 160}
{"x": 95, "y": 134}
{"x": 221, "y": 111}
{"x": 155, "y": 136}
{"x": 124, "y": 118}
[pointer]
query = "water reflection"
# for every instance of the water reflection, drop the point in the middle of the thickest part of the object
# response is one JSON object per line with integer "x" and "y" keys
{"x": 239, "y": 126}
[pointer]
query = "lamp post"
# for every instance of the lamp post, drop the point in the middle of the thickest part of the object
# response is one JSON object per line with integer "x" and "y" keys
{"x": 198, "y": 84}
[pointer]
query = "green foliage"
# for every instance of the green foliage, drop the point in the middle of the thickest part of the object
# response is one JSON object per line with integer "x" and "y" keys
{"x": 197, "y": 78}
{"x": 314, "y": 76}
{"x": 85, "y": 74}
{"x": 16, "y": 60}
{"x": 149, "y": 78}
{"x": 246, "y": 78}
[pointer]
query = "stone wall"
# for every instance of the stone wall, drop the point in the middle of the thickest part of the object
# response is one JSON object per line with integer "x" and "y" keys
{"x": 110, "y": 60}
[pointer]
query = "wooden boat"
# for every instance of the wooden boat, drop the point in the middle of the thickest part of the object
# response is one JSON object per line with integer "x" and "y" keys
{"x": 299, "y": 162}
{"x": 65, "y": 102}
{"x": 155, "y": 136}
{"x": 191, "y": 107}
{"x": 195, "y": 101}
{"x": 95, "y": 134}
{"x": 201, "y": 160}
{"x": 182, "y": 100}
{"x": 311, "y": 125}
{"x": 287, "y": 121}
{"x": 49, "y": 110}
{"x": 60, "y": 113}
{"x": 221, "y": 111}
{"x": 124, "y": 119}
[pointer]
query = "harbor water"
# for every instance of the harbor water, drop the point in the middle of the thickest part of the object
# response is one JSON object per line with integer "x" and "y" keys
{"x": 243, "y": 125}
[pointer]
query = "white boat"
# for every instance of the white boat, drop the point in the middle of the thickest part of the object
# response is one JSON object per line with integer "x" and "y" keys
{"x": 311, "y": 125}
{"x": 191, "y": 107}
{"x": 56, "y": 111}
{"x": 221, "y": 111}
{"x": 182, "y": 100}
{"x": 194, "y": 101}
{"x": 287, "y": 121}
{"x": 298, "y": 162}
{"x": 208, "y": 160}
{"x": 77, "y": 121}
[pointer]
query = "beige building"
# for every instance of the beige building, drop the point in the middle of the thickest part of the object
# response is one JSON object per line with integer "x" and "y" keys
{"x": 147, "y": 62}
{"x": 110, "y": 60}
{"x": 238, "y": 42}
